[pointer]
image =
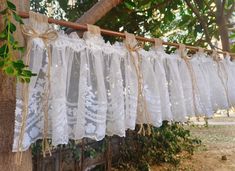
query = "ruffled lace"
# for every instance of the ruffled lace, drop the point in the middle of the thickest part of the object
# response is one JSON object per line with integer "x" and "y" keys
{"x": 94, "y": 88}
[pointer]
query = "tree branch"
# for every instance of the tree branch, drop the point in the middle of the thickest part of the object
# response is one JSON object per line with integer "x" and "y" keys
{"x": 222, "y": 25}
{"x": 223, "y": 6}
{"x": 230, "y": 25}
{"x": 230, "y": 11}
{"x": 95, "y": 13}
{"x": 202, "y": 21}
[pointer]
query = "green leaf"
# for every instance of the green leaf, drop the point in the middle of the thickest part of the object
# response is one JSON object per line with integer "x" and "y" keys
{"x": 27, "y": 73}
{"x": 4, "y": 51}
{"x": 11, "y": 39}
{"x": 3, "y": 12}
{"x": 9, "y": 70}
{"x": 1, "y": 64}
{"x": 20, "y": 61}
{"x": 21, "y": 49}
{"x": 129, "y": 4}
{"x": 233, "y": 48}
{"x": 27, "y": 80}
{"x": 21, "y": 80}
{"x": 19, "y": 65}
{"x": 16, "y": 46}
{"x": 12, "y": 27}
{"x": 34, "y": 74}
{"x": 232, "y": 36}
{"x": 3, "y": 35}
{"x": 11, "y": 5}
{"x": 17, "y": 18}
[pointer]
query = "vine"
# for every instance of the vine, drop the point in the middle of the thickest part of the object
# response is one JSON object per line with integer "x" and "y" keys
{"x": 9, "y": 64}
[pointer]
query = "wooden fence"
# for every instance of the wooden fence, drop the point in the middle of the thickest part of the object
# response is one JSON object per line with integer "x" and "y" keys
{"x": 85, "y": 156}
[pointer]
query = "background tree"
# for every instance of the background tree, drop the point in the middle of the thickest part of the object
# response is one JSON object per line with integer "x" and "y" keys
{"x": 195, "y": 22}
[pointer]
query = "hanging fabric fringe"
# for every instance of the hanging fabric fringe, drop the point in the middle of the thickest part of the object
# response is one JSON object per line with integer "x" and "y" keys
{"x": 85, "y": 83}
{"x": 137, "y": 62}
{"x": 47, "y": 36}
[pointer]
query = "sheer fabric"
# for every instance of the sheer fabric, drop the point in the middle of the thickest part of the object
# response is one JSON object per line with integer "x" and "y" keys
{"x": 187, "y": 77}
{"x": 162, "y": 84}
{"x": 151, "y": 91}
{"x": 230, "y": 69}
{"x": 94, "y": 88}
{"x": 217, "y": 89}
{"x": 202, "y": 87}
{"x": 175, "y": 87}
{"x": 130, "y": 90}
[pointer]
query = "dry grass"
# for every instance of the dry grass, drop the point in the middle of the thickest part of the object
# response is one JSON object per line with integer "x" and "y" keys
{"x": 218, "y": 139}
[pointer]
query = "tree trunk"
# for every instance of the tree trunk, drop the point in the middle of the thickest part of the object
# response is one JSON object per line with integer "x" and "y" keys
{"x": 221, "y": 22}
{"x": 100, "y": 9}
{"x": 7, "y": 116}
{"x": 223, "y": 32}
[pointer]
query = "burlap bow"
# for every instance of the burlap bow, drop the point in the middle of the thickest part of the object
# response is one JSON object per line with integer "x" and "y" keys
{"x": 187, "y": 59}
{"x": 142, "y": 103}
{"x": 47, "y": 36}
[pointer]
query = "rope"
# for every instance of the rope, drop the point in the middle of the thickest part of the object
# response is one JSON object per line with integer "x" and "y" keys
{"x": 195, "y": 88}
{"x": 142, "y": 103}
{"x": 220, "y": 67}
{"x": 48, "y": 35}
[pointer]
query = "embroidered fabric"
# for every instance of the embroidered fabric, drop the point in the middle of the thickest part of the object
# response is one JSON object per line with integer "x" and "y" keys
{"x": 202, "y": 92}
{"x": 162, "y": 84}
{"x": 130, "y": 90}
{"x": 187, "y": 75}
{"x": 230, "y": 67}
{"x": 217, "y": 89}
{"x": 151, "y": 91}
{"x": 175, "y": 87}
{"x": 94, "y": 88}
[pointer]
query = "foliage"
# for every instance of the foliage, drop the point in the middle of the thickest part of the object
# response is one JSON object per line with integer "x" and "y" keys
{"x": 8, "y": 62}
{"x": 91, "y": 150}
{"x": 166, "y": 144}
{"x": 173, "y": 20}
{"x": 138, "y": 152}
{"x": 42, "y": 6}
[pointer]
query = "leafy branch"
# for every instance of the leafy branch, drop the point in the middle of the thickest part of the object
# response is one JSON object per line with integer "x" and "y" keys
{"x": 202, "y": 21}
{"x": 9, "y": 64}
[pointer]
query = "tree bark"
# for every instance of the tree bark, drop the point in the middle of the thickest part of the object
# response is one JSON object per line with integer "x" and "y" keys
{"x": 100, "y": 9}
{"x": 221, "y": 22}
{"x": 7, "y": 116}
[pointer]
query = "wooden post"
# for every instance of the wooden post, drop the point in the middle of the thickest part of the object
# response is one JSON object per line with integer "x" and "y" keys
{"x": 109, "y": 154}
{"x": 7, "y": 114}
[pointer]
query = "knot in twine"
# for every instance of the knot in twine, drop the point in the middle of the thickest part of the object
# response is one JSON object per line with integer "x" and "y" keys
{"x": 189, "y": 66}
{"x": 47, "y": 36}
{"x": 142, "y": 103}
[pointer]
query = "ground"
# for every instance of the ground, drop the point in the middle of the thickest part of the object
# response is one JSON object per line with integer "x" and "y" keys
{"x": 218, "y": 141}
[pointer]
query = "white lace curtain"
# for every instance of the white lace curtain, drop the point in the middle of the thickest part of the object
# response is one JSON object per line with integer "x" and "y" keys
{"x": 94, "y": 87}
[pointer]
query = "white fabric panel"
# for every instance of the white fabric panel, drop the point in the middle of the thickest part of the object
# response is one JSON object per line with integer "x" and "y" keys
{"x": 94, "y": 88}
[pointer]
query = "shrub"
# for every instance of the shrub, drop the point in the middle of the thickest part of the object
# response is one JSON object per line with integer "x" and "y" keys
{"x": 165, "y": 144}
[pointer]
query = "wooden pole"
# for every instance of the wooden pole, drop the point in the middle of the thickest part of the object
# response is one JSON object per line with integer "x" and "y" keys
{"x": 7, "y": 110}
{"x": 77, "y": 26}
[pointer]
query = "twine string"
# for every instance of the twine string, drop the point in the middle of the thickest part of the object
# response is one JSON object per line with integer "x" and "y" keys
{"x": 47, "y": 36}
{"x": 142, "y": 103}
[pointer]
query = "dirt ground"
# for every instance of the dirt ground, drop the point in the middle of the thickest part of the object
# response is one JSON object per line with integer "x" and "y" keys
{"x": 218, "y": 141}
